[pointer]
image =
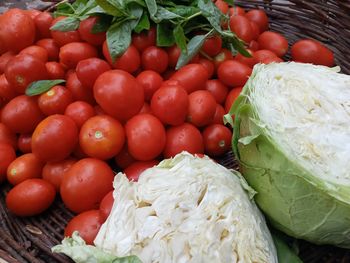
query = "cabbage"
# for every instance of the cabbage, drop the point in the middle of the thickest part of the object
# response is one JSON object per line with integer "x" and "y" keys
{"x": 292, "y": 139}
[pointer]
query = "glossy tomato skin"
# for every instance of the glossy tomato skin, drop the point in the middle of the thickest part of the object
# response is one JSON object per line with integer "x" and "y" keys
{"x": 231, "y": 97}
{"x": 71, "y": 53}
{"x": 249, "y": 61}
{"x": 174, "y": 53}
{"x": 119, "y": 94}
{"x": 79, "y": 92}
{"x": 222, "y": 6}
{"x": 259, "y": 17}
{"x": 55, "y": 100}
{"x": 7, "y": 155}
{"x": 262, "y": 55}
{"x": 219, "y": 114}
{"x": 89, "y": 69}
{"x": 150, "y": 81}
{"x": 7, "y": 136}
{"x": 63, "y": 38}
{"x": 94, "y": 176}
{"x": 55, "y": 70}
{"x": 79, "y": 112}
{"x": 85, "y": 31}
{"x": 209, "y": 66}
{"x": 218, "y": 89}
{"x": 106, "y": 206}
{"x": 234, "y": 73}
{"x": 144, "y": 39}
{"x": 201, "y": 108}
{"x": 217, "y": 139}
{"x": 154, "y": 58}
{"x": 134, "y": 170}
{"x": 123, "y": 159}
{"x": 184, "y": 137}
{"x": 21, "y": 114}
{"x": 51, "y": 47}
{"x": 87, "y": 224}
{"x": 145, "y": 137}
{"x": 36, "y": 51}
{"x": 7, "y": 93}
{"x": 31, "y": 197}
{"x": 101, "y": 137}
{"x": 21, "y": 70}
{"x": 24, "y": 167}
{"x": 55, "y": 138}
{"x": 224, "y": 55}
{"x": 4, "y": 58}
{"x": 236, "y": 10}
{"x": 43, "y": 23}
{"x": 212, "y": 46}
{"x": 273, "y": 41}
{"x": 241, "y": 26}
{"x": 24, "y": 143}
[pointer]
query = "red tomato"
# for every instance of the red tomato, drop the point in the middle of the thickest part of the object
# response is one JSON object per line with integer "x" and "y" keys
{"x": 241, "y": 26}
{"x": 271, "y": 60}
{"x": 192, "y": 77}
{"x": 21, "y": 114}
{"x": 32, "y": 13}
{"x": 201, "y": 108}
{"x": 17, "y": 30}
{"x": 55, "y": 100}
{"x": 24, "y": 167}
{"x": 85, "y": 184}
{"x": 123, "y": 159}
{"x": 231, "y": 97}
{"x": 170, "y": 104}
{"x": 63, "y": 38}
{"x": 222, "y": 6}
{"x": 249, "y": 61}
{"x": 209, "y": 66}
{"x": 55, "y": 138}
{"x": 53, "y": 172}
{"x": 236, "y": 10}
{"x": 224, "y": 55}
{"x": 184, "y": 137}
{"x": 7, "y": 93}
{"x": 219, "y": 114}
{"x": 101, "y": 137}
{"x": 4, "y": 58}
{"x": 144, "y": 39}
{"x": 79, "y": 112}
{"x": 150, "y": 81}
{"x": 71, "y": 53}
{"x": 234, "y": 73}
{"x": 98, "y": 110}
{"x": 79, "y": 92}
{"x": 51, "y": 47}
{"x": 21, "y": 70}
{"x": 25, "y": 143}
{"x": 145, "y": 137}
{"x": 174, "y": 53}
{"x": 154, "y": 58}
{"x": 217, "y": 139}
{"x": 35, "y": 51}
{"x": 253, "y": 45}
{"x": 263, "y": 54}
{"x": 259, "y": 17}
{"x": 134, "y": 170}
{"x": 43, "y": 23}
{"x": 273, "y": 41}
{"x": 89, "y": 69}
{"x": 217, "y": 89}
{"x": 119, "y": 94}
{"x": 86, "y": 28}
{"x": 7, "y": 136}
{"x": 255, "y": 30}
{"x": 31, "y": 197}
{"x": 87, "y": 224}
{"x": 212, "y": 45}
{"x": 7, "y": 155}
{"x": 106, "y": 206}
{"x": 55, "y": 70}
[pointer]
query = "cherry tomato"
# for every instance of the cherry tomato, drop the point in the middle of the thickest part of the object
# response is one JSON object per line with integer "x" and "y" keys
{"x": 217, "y": 139}
{"x": 241, "y": 26}
{"x": 119, "y": 94}
{"x": 7, "y": 155}
{"x": 201, "y": 108}
{"x": 24, "y": 143}
{"x": 43, "y": 23}
{"x": 236, "y": 10}
{"x": 209, "y": 66}
{"x": 79, "y": 112}
{"x": 55, "y": 70}
{"x": 123, "y": 159}
{"x": 31, "y": 197}
{"x": 150, "y": 81}
{"x": 4, "y": 58}
{"x": 184, "y": 137}
{"x": 249, "y": 61}
{"x": 263, "y": 54}
{"x": 174, "y": 53}
{"x": 231, "y": 97}
{"x": 86, "y": 31}
{"x": 170, "y": 104}
{"x": 87, "y": 224}
{"x": 55, "y": 138}
{"x": 234, "y": 73}
{"x": 217, "y": 89}
{"x": 145, "y": 137}
{"x": 212, "y": 45}
{"x": 51, "y": 47}
{"x": 273, "y": 41}
{"x": 154, "y": 58}
{"x": 21, "y": 114}
{"x": 89, "y": 69}
{"x": 7, "y": 93}
{"x": 222, "y": 6}
{"x": 71, "y": 53}
{"x": 259, "y": 17}
{"x": 219, "y": 114}
{"x": 63, "y": 38}
{"x": 24, "y": 167}
{"x": 79, "y": 92}
{"x": 85, "y": 184}
{"x": 53, "y": 172}
{"x": 7, "y": 136}
{"x": 271, "y": 60}
{"x": 55, "y": 100}
{"x": 224, "y": 55}
{"x": 106, "y": 206}
{"x": 134, "y": 170}
{"x": 36, "y": 51}
{"x": 144, "y": 39}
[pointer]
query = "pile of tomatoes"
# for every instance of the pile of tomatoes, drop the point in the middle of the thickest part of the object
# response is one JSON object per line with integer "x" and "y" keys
{"x": 127, "y": 114}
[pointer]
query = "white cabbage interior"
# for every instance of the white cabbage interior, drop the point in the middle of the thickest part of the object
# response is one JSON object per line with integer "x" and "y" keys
{"x": 195, "y": 212}
{"x": 306, "y": 110}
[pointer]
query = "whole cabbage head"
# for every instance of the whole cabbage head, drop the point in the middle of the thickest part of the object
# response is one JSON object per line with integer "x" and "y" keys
{"x": 292, "y": 139}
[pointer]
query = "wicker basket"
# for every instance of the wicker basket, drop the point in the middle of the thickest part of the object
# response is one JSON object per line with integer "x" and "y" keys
{"x": 30, "y": 239}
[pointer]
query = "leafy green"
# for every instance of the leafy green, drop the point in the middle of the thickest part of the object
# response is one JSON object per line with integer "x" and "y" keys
{"x": 165, "y": 36}
{"x": 180, "y": 38}
{"x": 41, "y": 86}
{"x": 143, "y": 24}
{"x": 193, "y": 47}
{"x": 284, "y": 253}
{"x": 102, "y": 24}
{"x": 212, "y": 13}
{"x": 118, "y": 39}
{"x": 152, "y": 7}
{"x": 66, "y": 24}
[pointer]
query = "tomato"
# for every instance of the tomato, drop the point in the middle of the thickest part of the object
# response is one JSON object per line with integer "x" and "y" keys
{"x": 253, "y": 45}
{"x": 7, "y": 136}
{"x": 123, "y": 159}
{"x": 85, "y": 184}
{"x": 21, "y": 70}
{"x": 7, "y": 155}
{"x": 98, "y": 110}
{"x": 33, "y": 13}
{"x": 311, "y": 51}
{"x": 241, "y": 26}
{"x": 219, "y": 114}
{"x": 71, "y": 53}
{"x": 24, "y": 143}
{"x": 234, "y": 73}
{"x": 24, "y": 167}
{"x": 150, "y": 81}
{"x": 51, "y": 47}
{"x": 255, "y": 30}
{"x": 7, "y": 93}
{"x": 144, "y": 39}
{"x": 55, "y": 100}
{"x": 184, "y": 137}
{"x": 224, "y": 55}
{"x": 79, "y": 92}
{"x": 263, "y": 54}
{"x": 222, "y": 6}
{"x": 63, "y": 38}
{"x": 53, "y": 172}
{"x": 31, "y": 197}
{"x": 4, "y": 58}
{"x": 212, "y": 45}
{"x": 79, "y": 112}
{"x": 21, "y": 114}
{"x": 55, "y": 138}
{"x": 231, "y": 97}
{"x": 191, "y": 76}
{"x": 55, "y": 70}
{"x": 134, "y": 170}
{"x": 130, "y": 61}
{"x": 217, "y": 139}
{"x": 36, "y": 51}
{"x": 174, "y": 53}
{"x": 101, "y": 137}
{"x": 86, "y": 28}
{"x": 273, "y": 41}
{"x": 271, "y": 60}
{"x": 154, "y": 58}
{"x": 119, "y": 94}
{"x": 236, "y": 10}
{"x": 106, "y": 206}
{"x": 89, "y": 69}
{"x": 43, "y": 23}
{"x": 259, "y": 17}
{"x": 217, "y": 89}
{"x": 145, "y": 137}
{"x": 87, "y": 224}
{"x": 170, "y": 104}
{"x": 17, "y": 30}
{"x": 209, "y": 66}
{"x": 201, "y": 108}
{"x": 249, "y": 61}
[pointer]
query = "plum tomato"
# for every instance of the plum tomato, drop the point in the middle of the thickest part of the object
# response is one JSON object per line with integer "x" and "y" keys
{"x": 51, "y": 47}
{"x": 134, "y": 170}
{"x": 71, "y": 53}
{"x": 79, "y": 112}
{"x": 7, "y": 156}
{"x": 249, "y": 61}
{"x": 106, "y": 206}
{"x": 4, "y": 58}
{"x": 273, "y": 41}
{"x": 150, "y": 81}
{"x": 79, "y": 92}
{"x": 7, "y": 136}
{"x": 24, "y": 143}
{"x": 55, "y": 100}
{"x": 262, "y": 55}
{"x": 201, "y": 108}
{"x": 236, "y": 10}
{"x": 234, "y": 73}
{"x": 218, "y": 89}
{"x": 219, "y": 114}
{"x": 154, "y": 58}
{"x": 224, "y": 55}
{"x": 212, "y": 46}
{"x": 174, "y": 53}
{"x": 241, "y": 26}
{"x": 217, "y": 139}
{"x": 222, "y": 6}
{"x": 43, "y": 23}
{"x": 36, "y": 51}
{"x": 259, "y": 17}
{"x": 231, "y": 97}
{"x": 209, "y": 66}
{"x": 271, "y": 60}
{"x": 63, "y": 38}
{"x": 144, "y": 39}
{"x": 123, "y": 159}
{"x": 86, "y": 31}
{"x": 55, "y": 70}
{"x": 7, "y": 93}
{"x": 89, "y": 69}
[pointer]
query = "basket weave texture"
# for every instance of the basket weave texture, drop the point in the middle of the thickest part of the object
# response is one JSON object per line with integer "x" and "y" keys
{"x": 30, "y": 239}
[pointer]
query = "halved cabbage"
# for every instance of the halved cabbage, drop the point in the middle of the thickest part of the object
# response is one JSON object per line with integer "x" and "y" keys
{"x": 292, "y": 139}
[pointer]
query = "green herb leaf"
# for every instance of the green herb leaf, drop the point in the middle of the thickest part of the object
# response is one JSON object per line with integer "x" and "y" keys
{"x": 118, "y": 39}
{"x": 143, "y": 24}
{"x": 152, "y": 7}
{"x": 212, "y": 13}
{"x": 230, "y": 2}
{"x": 66, "y": 24}
{"x": 84, "y": 6}
{"x": 180, "y": 38}
{"x": 164, "y": 14}
{"x": 41, "y": 86}
{"x": 96, "y": 10}
{"x": 165, "y": 36}
{"x": 193, "y": 46}
{"x": 239, "y": 46}
{"x": 110, "y": 8}
{"x": 64, "y": 9}
{"x": 184, "y": 11}
{"x": 102, "y": 24}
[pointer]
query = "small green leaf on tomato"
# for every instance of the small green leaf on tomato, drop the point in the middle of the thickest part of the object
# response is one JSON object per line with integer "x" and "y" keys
{"x": 41, "y": 86}
{"x": 193, "y": 46}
